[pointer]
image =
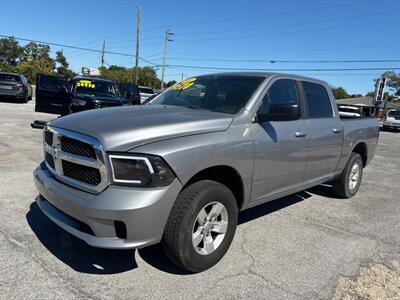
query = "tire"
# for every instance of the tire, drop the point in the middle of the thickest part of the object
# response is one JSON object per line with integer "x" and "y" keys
{"x": 183, "y": 225}
{"x": 348, "y": 183}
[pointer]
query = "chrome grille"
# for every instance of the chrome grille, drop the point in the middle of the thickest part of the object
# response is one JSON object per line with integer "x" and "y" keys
{"x": 75, "y": 159}
{"x": 82, "y": 173}
{"x": 77, "y": 147}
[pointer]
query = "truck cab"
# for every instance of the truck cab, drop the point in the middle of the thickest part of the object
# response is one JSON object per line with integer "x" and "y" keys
{"x": 58, "y": 95}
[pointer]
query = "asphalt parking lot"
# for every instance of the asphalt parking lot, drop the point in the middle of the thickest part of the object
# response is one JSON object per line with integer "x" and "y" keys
{"x": 306, "y": 246}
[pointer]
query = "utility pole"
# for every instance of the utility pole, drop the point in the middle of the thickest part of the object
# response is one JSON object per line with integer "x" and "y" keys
{"x": 102, "y": 53}
{"x": 182, "y": 77}
{"x": 138, "y": 11}
{"x": 168, "y": 34}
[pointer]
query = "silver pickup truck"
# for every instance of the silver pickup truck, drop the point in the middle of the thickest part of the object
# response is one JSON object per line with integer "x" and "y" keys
{"x": 179, "y": 169}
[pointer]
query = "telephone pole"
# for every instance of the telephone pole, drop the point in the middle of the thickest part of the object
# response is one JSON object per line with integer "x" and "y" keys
{"x": 102, "y": 53}
{"x": 138, "y": 10}
{"x": 168, "y": 34}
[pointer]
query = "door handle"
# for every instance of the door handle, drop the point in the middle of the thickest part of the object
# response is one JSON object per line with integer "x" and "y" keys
{"x": 300, "y": 133}
{"x": 335, "y": 130}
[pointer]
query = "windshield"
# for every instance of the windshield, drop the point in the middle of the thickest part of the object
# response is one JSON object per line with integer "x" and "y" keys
{"x": 96, "y": 87}
{"x": 226, "y": 94}
{"x": 394, "y": 113}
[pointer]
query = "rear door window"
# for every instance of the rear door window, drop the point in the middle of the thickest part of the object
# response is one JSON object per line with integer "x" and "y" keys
{"x": 50, "y": 83}
{"x": 319, "y": 104}
{"x": 9, "y": 77}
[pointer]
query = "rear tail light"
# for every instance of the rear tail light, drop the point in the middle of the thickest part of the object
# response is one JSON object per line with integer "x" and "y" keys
{"x": 20, "y": 86}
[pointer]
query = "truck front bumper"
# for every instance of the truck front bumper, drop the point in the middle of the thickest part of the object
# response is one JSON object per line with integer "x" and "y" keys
{"x": 97, "y": 219}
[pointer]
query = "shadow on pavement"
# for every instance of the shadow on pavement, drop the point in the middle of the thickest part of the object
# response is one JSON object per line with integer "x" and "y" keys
{"x": 86, "y": 259}
{"x": 76, "y": 253}
{"x": 155, "y": 257}
{"x": 12, "y": 100}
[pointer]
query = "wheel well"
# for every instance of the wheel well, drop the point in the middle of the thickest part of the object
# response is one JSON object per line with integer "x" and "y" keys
{"x": 226, "y": 175}
{"x": 361, "y": 149}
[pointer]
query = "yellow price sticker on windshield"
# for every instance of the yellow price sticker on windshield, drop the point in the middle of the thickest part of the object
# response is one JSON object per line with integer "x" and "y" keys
{"x": 85, "y": 83}
{"x": 185, "y": 84}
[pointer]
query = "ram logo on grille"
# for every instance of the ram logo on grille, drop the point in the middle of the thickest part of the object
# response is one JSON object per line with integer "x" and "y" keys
{"x": 75, "y": 159}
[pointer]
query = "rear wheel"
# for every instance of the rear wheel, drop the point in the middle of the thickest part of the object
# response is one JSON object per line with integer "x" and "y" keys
{"x": 201, "y": 226}
{"x": 347, "y": 184}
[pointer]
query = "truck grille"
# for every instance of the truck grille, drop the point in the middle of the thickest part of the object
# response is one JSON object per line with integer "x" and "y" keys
{"x": 77, "y": 147}
{"x": 81, "y": 173}
{"x": 49, "y": 159}
{"x": 75, "y": 159}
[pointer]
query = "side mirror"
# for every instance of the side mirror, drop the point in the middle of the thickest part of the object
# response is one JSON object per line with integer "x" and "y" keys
{"x": 280, "y": 112}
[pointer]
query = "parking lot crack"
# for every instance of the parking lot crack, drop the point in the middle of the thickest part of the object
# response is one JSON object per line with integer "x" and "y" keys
{"x": 261, "y": 276}
{"x": 79, "y": 293}
{"x": 337, "y": 228}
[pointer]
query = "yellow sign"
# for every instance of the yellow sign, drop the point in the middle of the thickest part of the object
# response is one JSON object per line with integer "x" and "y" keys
{"x": 185, "y": 84}
{"x": 86, "y": 83}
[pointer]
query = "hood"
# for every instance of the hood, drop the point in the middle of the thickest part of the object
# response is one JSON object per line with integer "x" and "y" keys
{"x": 127, "y": 127}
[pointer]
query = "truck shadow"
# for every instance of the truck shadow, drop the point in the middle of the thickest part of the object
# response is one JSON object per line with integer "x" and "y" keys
{"x": 74, "y": 252}
{"x": 86, "y": 259}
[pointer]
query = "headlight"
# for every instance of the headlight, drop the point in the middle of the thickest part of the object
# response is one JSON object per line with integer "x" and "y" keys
{"x": 77, "y": 102}
{"x": 140, "y": 170}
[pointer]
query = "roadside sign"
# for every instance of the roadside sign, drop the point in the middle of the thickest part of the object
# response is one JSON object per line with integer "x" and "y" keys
{"x": 379, "y": 91}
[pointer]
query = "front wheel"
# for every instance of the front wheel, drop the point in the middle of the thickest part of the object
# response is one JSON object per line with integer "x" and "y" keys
{"x": 201, "y": 226}
{"x": 347, "y": 184}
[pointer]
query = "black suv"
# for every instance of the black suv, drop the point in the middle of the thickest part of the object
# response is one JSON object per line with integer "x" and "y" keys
{"x": 58, "y": 95}
{"x": 15, "y": 86}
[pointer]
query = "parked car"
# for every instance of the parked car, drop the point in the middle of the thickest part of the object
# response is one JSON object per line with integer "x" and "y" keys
{"x": 145, "y": 92}
{"x": 131, "y": 92}
{"x": 178, "y": 169}
{"x": 15, "y": 86}
{"x": 58, "y": 95}
{"x": 349, "y": 111}
{"x": 392, "y": 120}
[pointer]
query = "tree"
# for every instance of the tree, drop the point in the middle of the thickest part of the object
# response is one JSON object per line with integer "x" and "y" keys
{"x": 62, "y": 65}
{"x": 35, "y": 59}
{"x": 340, "y": 93}
{"x": 370, "y": 94}
{"x": 170, "y": 83}
{"x": 147, "y": 75}
{"x": 10, "y": 51}
{"x": 392, "y": 82}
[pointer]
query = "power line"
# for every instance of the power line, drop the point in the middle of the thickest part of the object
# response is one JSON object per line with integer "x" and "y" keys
{"x": 285, "y": 33}
{"x": 205, "y": 67}
{"x": 289, "y": 25}
{"x": 265, "y": 15}
{"x": 78, "y": 48}
{"x": 287, "y": 61}
{"x": 282, "y": 70}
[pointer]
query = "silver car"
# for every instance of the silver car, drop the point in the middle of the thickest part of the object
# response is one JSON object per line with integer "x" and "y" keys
{"x": 179, "y": 169}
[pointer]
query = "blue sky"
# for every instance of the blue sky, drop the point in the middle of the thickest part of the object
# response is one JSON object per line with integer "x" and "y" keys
{"x": 206, "y": 32}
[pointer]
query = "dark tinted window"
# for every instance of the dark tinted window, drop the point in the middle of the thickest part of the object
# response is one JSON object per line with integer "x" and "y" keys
{"x": 319, "y": 104}
{"x": 51, "y": 83}
{"x": 283, "y": 91}
{"x": 394, "y": 113}
{"x": 226, "y": 94}
{"x": 7, "y": 77}
{"x": 96, "y": 87}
